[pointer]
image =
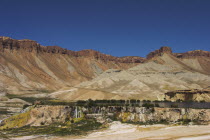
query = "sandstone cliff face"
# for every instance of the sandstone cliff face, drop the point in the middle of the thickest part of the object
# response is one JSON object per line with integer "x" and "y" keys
{"x": 11, "y": 44}
{"x": 192, "y": 54}
{"x": 33, "y": 46}
{"x": 159, "y": 52}
{"x": 189, "y": 54}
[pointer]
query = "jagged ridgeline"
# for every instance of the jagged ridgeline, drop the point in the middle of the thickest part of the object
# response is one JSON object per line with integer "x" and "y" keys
{"x": 30, "y": 69}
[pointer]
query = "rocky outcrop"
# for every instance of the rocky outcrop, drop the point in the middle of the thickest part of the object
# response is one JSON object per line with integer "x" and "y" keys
{"x": 159, "y": 52}
{"x": 33, "y": 46}
{"x": 188, "y": 95}
{"x": 12, "y": 44}
{"x": 192, "y": 54}
{"x": 45, "y": 115}
{"x": 189, "y": 54}
{"x": 105, "y": 57}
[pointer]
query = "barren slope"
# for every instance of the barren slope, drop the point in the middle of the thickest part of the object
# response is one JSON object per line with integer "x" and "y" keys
{"x": 28, "y": 67}
{"x": 150, "y": 80}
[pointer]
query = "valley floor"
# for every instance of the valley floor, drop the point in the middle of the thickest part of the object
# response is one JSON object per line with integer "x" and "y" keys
{"x": 123, "y": 131}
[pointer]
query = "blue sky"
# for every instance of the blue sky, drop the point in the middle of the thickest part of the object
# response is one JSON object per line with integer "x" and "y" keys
{"x": 116, "y": 27}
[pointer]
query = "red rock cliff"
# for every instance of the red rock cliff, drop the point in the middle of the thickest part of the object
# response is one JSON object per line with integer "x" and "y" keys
{"x": 192, "y": 54}
{"x": 33, "y": 46}
{"x": 159, "y": 52}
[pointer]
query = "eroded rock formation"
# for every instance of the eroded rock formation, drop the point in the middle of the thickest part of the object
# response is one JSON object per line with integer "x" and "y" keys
{"x": 159, "y": 52}
{"x": 192, "y": 54}
{"x": 46, "y": 115}
{"x": 168, "y": 50}
{"x": 33, "y": 46}
{"x": 188, "y": 95}
{"x": 28, "y": 67}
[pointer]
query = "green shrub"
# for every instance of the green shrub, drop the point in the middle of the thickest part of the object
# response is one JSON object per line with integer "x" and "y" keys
{"x": 148, "y": 105}
{"x": 157, "y": 105}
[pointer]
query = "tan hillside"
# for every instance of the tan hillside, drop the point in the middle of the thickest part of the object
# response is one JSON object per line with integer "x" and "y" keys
{"x": 28, "y": 67}
{"x": 161, "y": 73}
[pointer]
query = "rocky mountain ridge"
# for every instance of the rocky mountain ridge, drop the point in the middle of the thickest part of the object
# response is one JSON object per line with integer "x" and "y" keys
{"x": 159, "y": 52}
{"x": 168, "y": 50}
{"x": 191, "y": 54}
{"x": 26, "y": 67}
{"x": 33, "y": 46}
